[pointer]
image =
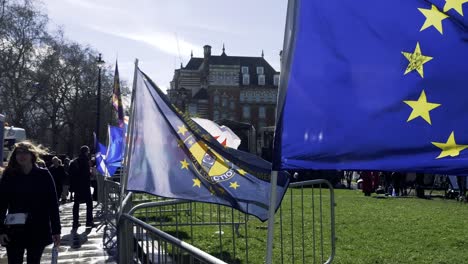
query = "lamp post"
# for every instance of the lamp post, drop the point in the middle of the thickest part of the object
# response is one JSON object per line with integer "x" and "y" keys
{"x": 99, "y": 63}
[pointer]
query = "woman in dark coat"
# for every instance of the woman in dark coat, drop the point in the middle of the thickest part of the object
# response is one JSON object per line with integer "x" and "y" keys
{"x": 58, "y": 174}
{"x": 28, "y": 189}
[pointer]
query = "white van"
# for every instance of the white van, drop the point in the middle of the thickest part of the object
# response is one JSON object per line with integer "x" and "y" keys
{"x": 11, "y": 135}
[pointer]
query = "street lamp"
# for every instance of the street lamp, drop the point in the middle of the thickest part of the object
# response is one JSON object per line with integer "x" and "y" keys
{"x": 100, "y": 64}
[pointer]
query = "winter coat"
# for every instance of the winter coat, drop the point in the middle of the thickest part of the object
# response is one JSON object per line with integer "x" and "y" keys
{"x": 34, "y": 194}
{"x": 80, "y": 179}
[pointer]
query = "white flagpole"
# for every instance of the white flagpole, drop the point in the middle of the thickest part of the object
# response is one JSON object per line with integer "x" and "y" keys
{"x": 289, "y": 38}
{"x": 123, "y": 180}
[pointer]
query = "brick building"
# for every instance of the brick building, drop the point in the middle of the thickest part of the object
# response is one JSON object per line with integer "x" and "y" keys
{"x": 242, "y": 89}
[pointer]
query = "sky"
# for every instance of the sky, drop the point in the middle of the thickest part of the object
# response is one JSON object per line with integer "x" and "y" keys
{"x": 162, "y": 33}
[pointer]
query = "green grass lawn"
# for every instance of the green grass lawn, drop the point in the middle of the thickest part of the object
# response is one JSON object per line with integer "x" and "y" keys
{"x": 368, "y": 230}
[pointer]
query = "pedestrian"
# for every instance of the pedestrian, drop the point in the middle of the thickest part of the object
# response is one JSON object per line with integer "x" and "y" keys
{"x": 80, "y": 183}
{"x": 92, "y": 165}
{"x": 58, "y": 173}
{"x": 366, "y": 177}
{"x": 27, "y": 193}
{"x": 461, "y": 181}
{"x": 66, "y": 181}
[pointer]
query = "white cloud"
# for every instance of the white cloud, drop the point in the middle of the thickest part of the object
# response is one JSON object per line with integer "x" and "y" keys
{"x": 165, "y": 42}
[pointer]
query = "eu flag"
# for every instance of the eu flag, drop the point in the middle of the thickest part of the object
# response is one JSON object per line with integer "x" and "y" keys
{"x": 374, "y": 85}
{"x": 115, "y": 148}
{"x": 172, "y": 156}
{"x": 117, "y": 97}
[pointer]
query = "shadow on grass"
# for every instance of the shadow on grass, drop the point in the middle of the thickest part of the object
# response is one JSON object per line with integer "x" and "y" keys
{"x": 224, "y": 256}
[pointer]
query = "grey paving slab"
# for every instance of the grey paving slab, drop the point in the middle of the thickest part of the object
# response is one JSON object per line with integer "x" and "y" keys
{"x": 84, "y": 246}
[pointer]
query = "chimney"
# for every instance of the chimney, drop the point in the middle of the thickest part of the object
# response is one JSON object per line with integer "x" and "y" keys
{"x": 207, "y": 51}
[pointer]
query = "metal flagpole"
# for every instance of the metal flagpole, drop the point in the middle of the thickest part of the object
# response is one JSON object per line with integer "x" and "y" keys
{"x": 271, "y": 216}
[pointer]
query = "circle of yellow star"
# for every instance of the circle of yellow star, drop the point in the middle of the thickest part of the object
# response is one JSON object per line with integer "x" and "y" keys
{"x": 416, "y": 60}
{"x": 182, "y": 130}
{"x": 180, "y": 143}
{"x": 433, "y": 18}
{"x": 454, "y": 4}
{"x": 185, "y": 164}
{"x": 449, "y": 148}
{"x": 234, "y": 185}
{"x": 241, "y": 171}
{"x": 421, "y": 108}
{"x": 196, "y": 182}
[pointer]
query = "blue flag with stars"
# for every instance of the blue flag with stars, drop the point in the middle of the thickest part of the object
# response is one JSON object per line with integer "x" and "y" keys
{"x": 172, "y": 156}
{"x": 374, "y": 85}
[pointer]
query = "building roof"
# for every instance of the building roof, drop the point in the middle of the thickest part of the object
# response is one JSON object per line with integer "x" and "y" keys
{"x": 251, "y": 62}
{"x": 194, "y": 64}
{"x": 201, "y": 95}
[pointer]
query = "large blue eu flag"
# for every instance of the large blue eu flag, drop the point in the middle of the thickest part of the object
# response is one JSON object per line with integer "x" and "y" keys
{"x": 374, "y": 85}
{"x": 172, "y": 156}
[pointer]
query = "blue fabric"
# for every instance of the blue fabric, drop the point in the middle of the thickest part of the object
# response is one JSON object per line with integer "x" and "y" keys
{"x": 171, "y": 156}
{"x": 345, "y": 93}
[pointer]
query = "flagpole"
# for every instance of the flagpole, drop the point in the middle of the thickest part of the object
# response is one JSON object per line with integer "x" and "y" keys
{"x": 271, "y": 216}
{"x": 289, "y": 38}
{"x": 123, "y": 180}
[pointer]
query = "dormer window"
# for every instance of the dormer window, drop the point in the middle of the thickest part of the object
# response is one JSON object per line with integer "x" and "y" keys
{"x": 261, "y": 79}
{"x": 245, "y": 79}
{"x": 276, "y": 80}
{"x": 260, "y": 70}
{"x": 245, "y": 70}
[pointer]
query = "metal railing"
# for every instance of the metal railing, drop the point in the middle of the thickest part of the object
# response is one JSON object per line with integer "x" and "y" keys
{"x": 304, "y": 230}
{"x": 151, "y": 245}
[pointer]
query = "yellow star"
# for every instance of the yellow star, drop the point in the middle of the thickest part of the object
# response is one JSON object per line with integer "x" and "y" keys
{"x": 455, "y": 4}
{"x": 234, "y": 185}
{"x": 433, "y": 18}
{"x": 196, "y": 182}
{"x": 450, "y": 148}
{"x": 416, "y": 60}
{"x": 182, "y": 130}
{"x": 185, "y": 164}
{"x": 241, "y": 172}
{"x": 180, "y": 143}
{"x": 421, "y": 108}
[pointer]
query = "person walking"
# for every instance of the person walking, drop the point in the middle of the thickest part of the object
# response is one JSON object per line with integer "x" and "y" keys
{"x": 66, "y": 181}
{"x": 27, "y": 193}
{"x": 58, "y": 173}
{"x": 80, "y": 184}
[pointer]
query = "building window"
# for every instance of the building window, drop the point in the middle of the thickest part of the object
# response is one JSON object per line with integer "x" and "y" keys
{"x": 216, "y": 99}
{"x": 246, "y": 111}
{"x": 259, "y": 70}
{"x": 192, "y": 109}
{"x": 261, "y": 124}
{"x": 233, "y": 105}
{"x": 245, "y": 79}
{"x": 245, "y": 70}
{"x": 261, "y": 80}
{"x": 224, "y": 115}
{"x": 224, "y": 102}
{"x": 216, "y": 115}
{"x": 276, "y": 80}
{"x": 261, "y": 112}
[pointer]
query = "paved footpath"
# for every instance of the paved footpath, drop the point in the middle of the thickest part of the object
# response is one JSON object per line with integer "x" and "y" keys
{"x": 83, "y": 247}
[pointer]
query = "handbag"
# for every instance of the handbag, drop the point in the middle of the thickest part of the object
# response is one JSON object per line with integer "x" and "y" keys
{"x": 54, "y": 258}
{"x": 15, "y": 223}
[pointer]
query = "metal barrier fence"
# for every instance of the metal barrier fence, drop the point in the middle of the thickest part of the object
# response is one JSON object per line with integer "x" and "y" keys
{"x": 304, "y": 229}
{"x": 109, "y": 199}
